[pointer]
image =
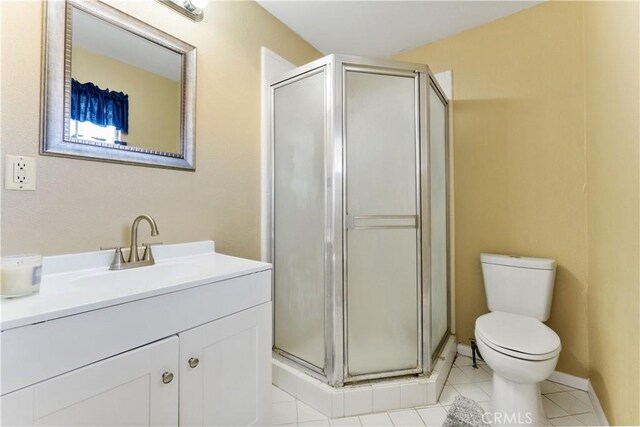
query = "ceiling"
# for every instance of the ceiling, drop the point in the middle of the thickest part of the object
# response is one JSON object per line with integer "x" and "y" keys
{"x": 384, "y": 28}
{"x": 103, "y": 38}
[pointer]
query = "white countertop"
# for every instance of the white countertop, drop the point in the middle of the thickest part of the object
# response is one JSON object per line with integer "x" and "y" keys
{"x": 77, "y": 283}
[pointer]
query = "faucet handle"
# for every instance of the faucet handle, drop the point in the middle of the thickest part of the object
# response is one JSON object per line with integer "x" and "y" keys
{"x": 118, "y": 259}
{"x": 147, "y": 255}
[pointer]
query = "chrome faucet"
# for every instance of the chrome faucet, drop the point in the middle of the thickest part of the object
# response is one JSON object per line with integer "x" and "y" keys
{"x": 119, "y": 263}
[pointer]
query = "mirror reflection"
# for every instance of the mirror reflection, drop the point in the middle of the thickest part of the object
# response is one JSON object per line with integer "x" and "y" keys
{"x": 125, "y": 90}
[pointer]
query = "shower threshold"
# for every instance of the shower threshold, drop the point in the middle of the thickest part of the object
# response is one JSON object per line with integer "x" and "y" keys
{"x": 366, "y": 397}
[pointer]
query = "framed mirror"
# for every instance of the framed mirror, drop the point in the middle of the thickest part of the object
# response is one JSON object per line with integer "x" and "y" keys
{"x": 116, "y": 89}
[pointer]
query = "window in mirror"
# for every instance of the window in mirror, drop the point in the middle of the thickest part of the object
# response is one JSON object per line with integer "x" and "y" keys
{"x": 89, "y": 131}
{"x": 98, "y": 108}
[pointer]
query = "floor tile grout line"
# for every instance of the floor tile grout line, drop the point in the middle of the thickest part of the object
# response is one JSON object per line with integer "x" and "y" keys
{"x": 557, "y": 392}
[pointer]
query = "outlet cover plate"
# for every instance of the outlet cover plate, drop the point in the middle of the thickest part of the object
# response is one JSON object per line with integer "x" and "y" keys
{"x": 20, "y": 173}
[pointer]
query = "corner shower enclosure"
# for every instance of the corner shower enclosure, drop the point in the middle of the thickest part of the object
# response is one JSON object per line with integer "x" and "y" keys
{"x": 359, "y": 218}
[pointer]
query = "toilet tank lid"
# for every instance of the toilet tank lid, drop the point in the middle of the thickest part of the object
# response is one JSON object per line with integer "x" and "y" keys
{"x": 518, "y": 261}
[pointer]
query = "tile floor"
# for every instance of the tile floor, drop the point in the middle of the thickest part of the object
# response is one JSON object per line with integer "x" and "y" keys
{"x": 565, "y": 406}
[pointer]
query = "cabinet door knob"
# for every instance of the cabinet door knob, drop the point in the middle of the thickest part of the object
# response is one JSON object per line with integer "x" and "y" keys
{"x": 167, "y": 377}
{"x": 193, "y": 362}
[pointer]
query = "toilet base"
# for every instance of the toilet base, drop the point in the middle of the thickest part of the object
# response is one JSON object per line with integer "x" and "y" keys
{"x": 516, "y": 404}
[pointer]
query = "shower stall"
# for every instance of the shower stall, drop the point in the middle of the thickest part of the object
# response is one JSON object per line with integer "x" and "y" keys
{"x": 359, "y": 220}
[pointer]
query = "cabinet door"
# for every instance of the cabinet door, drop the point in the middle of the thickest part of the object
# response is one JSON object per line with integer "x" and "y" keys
{"x": 225, "y": 370}
{"x": 124, "y": 390}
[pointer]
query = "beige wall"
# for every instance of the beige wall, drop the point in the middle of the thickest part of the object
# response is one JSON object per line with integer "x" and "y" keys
{"x": 613, "y": 191}
{"x": 547, "y": 146}
{"x": 154, "y": 100}
{"x": 82, "y": 205}
{"x": 518, "y": 117}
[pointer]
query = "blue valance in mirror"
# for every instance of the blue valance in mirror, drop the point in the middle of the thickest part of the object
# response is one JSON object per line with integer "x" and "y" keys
{"x": 102, "y": 107}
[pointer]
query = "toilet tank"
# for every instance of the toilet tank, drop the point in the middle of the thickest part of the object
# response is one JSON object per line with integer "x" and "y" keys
{"x": 519, "y": 285}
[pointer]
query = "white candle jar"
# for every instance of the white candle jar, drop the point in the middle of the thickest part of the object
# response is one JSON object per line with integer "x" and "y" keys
{"x": 20, "y": 275}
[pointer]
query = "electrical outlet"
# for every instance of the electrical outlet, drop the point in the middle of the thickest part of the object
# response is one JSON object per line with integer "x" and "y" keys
{"x": 20, "y": 173}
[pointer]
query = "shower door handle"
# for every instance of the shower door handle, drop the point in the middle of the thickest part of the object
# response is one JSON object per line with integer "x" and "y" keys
{"x": 378, "y": 222}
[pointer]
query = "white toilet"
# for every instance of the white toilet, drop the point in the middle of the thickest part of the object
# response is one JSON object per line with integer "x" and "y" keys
{"x": 521, "y": 350}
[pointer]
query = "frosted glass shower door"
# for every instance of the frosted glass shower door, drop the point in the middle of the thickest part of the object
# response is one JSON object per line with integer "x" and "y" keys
{"x": 299, "y": 217}
{"x": 439, "y": 224}
{"x": 382, "y": 274}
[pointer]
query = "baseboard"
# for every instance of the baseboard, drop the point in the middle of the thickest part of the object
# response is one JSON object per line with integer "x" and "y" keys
{"x": 556, "y": 377}
{"x": 597, "y": 407}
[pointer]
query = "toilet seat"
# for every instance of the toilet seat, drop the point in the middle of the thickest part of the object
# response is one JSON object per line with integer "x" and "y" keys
{"x": 518, "y": 336}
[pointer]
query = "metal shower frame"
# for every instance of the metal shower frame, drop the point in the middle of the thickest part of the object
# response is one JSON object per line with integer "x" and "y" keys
{"x": 335, "y": 67}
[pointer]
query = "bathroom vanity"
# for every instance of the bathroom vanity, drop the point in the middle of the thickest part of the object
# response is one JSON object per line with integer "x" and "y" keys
{"x": 186, "y": 341}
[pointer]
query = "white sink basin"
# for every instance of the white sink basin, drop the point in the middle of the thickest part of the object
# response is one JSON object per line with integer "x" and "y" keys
{"x": 142, "y": 277}
{"x": 77, "y": 283}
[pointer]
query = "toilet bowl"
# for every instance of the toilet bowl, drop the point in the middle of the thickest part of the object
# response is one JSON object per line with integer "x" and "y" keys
{"x": 522, "y": 352}
{"x": 513, "y": 341}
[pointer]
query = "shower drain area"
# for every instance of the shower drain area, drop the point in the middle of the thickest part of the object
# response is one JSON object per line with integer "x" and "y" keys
{"x": 359, "y": 399}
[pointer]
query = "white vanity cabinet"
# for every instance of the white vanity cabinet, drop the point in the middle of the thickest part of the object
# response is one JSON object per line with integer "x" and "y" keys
{"x": 193, "y": 352}
{"x": 222, "y": 370}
